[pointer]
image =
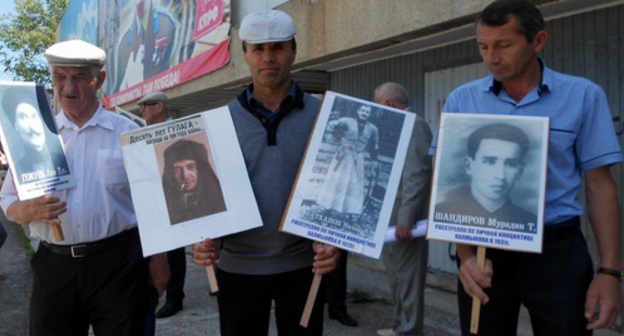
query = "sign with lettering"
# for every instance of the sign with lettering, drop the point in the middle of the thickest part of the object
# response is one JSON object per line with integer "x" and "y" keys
{"x": 349, "y": 178}
{"x": 208, "y": 16}
{"x": 188, "y": 181}
{"x": 489, "y": 181}
{"x": 31, "y": 141}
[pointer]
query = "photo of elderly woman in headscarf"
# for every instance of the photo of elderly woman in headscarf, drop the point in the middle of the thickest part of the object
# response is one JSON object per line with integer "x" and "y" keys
{"x": 343, "y": 190}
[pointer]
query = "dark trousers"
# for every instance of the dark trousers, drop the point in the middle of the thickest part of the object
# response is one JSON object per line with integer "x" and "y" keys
{"x": 245, "y": 303}
{"x": 105, "y": 290}
{"x": 336, "y": 287}
{"x": 551, "y": 285}
{"x": 151, "y": 302}
{"x": 177, "y": 267}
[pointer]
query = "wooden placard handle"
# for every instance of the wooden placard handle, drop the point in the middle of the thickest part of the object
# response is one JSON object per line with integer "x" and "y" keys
{"x": 476, "y": 302}
{"x": 58, "y": 232}
{"x": 212, "y": 279}
{"x": 307, "y": 311}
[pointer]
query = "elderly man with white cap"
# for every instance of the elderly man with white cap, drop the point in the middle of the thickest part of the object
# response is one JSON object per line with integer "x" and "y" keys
{"x": 97, "y": 275}
{"x": 273, "y": 118}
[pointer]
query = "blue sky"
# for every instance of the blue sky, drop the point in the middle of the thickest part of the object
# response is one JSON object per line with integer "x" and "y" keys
{"x": 7, "y": 6}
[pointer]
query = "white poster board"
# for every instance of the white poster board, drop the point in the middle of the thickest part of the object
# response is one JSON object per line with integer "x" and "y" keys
{"x": 31, "y": 141}
{"x": 188, "y": 181}
{"x": 489, "y": 181}
{"x": 348, "y": 180}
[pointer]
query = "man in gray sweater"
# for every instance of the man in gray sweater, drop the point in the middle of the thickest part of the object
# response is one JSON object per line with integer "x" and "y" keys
{"x": 263, "y": 266}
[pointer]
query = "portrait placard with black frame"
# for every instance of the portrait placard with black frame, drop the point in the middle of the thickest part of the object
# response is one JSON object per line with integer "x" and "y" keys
{"x": 489, "y": 181}
{"x": 31, "y": 141}
{"x": 350, "y": 174}
{"x": 188, "y": 181}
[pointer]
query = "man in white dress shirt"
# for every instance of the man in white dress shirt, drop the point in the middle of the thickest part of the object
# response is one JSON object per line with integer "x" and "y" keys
{"x": 97, "y": 275}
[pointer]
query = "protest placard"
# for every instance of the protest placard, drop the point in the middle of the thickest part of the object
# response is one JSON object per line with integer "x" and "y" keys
{"x": 489, "y": 181}
{"x": 31, "y": 141}
{"x": 489, "y": 184}
{"x": 188, "y": 181}
{"x": 349, "y": 177}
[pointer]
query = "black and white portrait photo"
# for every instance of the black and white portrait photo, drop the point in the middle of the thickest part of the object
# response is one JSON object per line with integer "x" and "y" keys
{"x": 490, "y": 173}
{"x": 34, "y": 143}
{"x": 347, "y": 183}
{"x": 352, "y": 166}
{"x": 31, "y": 140}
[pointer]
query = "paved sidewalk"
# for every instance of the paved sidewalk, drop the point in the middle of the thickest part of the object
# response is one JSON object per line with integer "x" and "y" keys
{"x": 16, "y": 287}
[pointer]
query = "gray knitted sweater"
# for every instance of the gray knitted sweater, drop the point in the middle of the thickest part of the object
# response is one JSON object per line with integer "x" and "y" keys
{"x": 272, "y": 155}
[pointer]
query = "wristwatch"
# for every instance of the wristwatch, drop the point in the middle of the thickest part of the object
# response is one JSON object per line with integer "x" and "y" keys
{"x": 610, "y": 271}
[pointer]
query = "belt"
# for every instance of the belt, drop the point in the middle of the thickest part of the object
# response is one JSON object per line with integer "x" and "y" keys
{"x": 562, "y": 229}
{"x": 87, "y": 249}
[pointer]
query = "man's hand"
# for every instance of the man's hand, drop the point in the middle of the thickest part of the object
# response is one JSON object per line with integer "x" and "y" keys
{"x": 403, "y": 233}
{"x": 604, "y": 292}
{"x": 472, "y": 277}
{"x": 326, "y": 258}
{"x": 159, "y": 272}
{"x": 206, "y": 253}
{"x": 44, "y": 209}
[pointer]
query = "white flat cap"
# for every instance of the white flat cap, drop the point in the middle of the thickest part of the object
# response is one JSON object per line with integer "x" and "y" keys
{"x": 75, "y": 53}
{"x": 155, "y": 96}
{"x": 267, "y": 26}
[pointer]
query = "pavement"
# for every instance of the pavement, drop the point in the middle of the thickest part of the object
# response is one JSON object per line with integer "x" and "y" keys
{"x": 368, "y": 298}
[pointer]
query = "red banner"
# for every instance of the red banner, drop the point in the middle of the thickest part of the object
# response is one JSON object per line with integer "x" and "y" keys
{"x": 198, "y": 66}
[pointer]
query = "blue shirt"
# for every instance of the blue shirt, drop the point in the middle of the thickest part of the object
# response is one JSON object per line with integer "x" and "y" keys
{"x": 581, "y": 136}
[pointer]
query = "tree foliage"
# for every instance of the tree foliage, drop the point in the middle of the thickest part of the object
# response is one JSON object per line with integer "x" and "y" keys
{"x": 25, "y": 35}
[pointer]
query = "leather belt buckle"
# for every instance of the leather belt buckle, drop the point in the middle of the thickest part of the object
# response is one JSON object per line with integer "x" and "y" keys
{"x": 78, "y": 251}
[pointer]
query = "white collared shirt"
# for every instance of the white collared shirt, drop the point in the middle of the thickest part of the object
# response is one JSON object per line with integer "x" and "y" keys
{"x": 100, "y": 205}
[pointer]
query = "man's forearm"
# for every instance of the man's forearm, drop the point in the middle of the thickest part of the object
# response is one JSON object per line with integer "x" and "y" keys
{"x": 604, "y": 216}
{"x": 17, "y": 212}
{"x": 465, "y": 251}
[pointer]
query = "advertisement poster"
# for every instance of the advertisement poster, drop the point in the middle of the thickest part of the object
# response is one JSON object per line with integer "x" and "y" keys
{"x": 31, "y": 141}
{"x": 489, "y": 181}
{"x": 348, "y": 180}
{"x": 188, "y": 181}
{"x": 151, "y": 45}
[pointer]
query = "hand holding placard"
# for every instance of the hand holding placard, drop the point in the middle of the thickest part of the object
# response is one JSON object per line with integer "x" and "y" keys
{"x": 205, "y": 253}
{"x": 325, "y": 261}
{"x": 476, "y": 302}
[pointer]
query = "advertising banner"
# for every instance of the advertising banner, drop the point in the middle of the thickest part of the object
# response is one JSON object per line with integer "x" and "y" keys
{"x": 151, "y": 45}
